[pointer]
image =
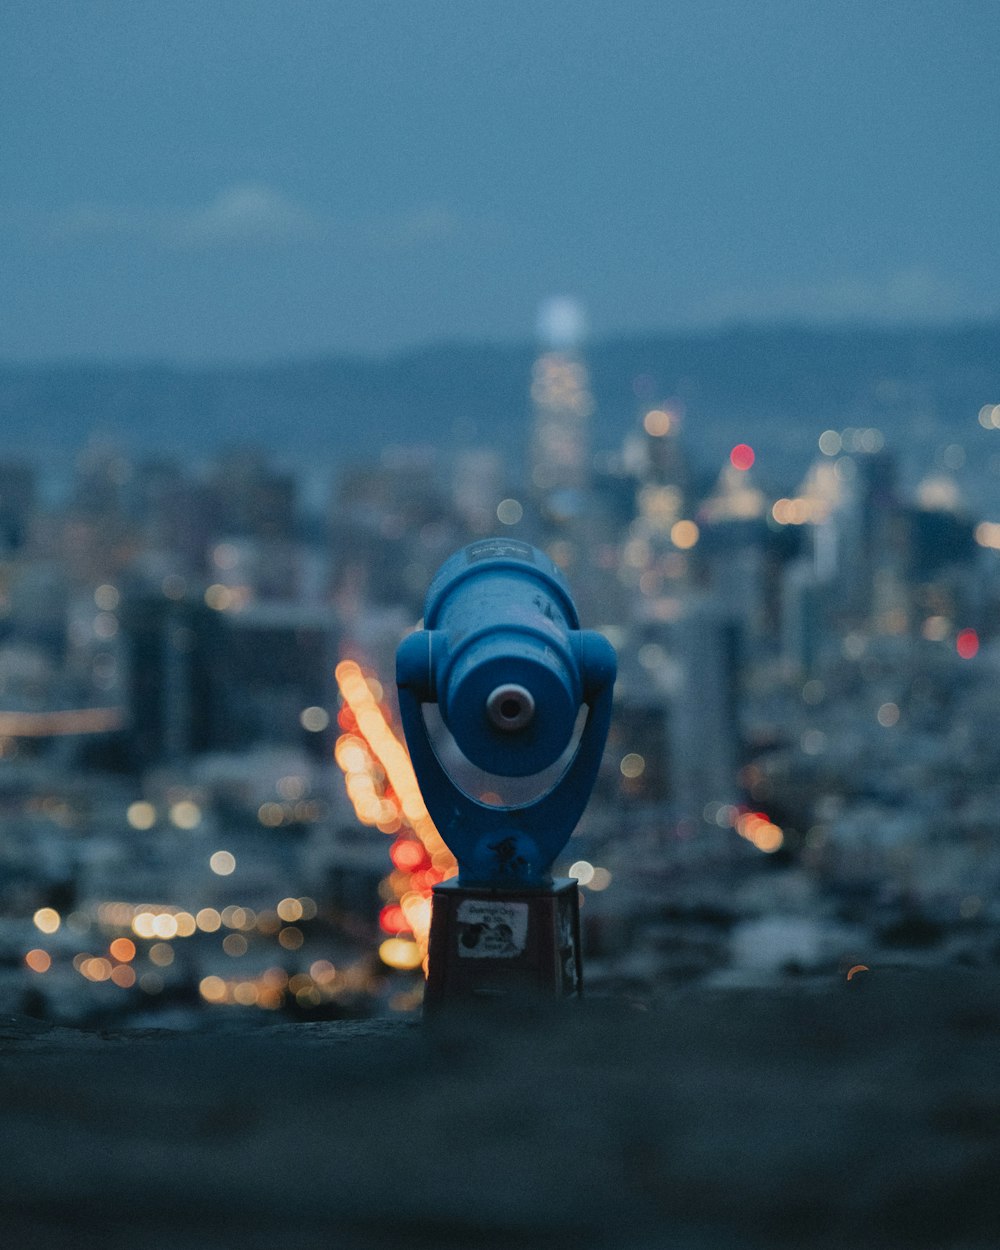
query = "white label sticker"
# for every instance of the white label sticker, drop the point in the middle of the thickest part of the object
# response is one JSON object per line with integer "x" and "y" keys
{"x": 491, "y": 930}
{"x": 499, "y": 549}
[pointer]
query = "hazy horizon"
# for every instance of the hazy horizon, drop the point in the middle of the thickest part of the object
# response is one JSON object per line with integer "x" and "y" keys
{"x": 525, "y": 343}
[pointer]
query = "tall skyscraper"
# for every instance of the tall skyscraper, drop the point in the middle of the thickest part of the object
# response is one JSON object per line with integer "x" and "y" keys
{"x": 872, "y": 546}
{"x": 562, "y": 403}
{"x": 705, "y": 740}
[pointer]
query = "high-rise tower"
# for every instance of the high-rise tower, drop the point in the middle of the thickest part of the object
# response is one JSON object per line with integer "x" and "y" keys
{"x": 562, "y": 403}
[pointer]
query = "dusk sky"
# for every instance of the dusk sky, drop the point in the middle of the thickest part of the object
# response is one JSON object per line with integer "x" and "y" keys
{"x": 216, "y": 180}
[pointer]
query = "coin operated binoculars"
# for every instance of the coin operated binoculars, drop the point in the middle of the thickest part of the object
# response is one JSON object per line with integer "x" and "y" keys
{"x": 503, "y": 656}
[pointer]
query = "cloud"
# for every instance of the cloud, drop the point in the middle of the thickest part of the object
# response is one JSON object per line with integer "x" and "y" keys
{"x": 251, "y": 214}
{"x": 246, "y": 213}
{"x": 911, "y": 294}
{"x": 241, "y": 214}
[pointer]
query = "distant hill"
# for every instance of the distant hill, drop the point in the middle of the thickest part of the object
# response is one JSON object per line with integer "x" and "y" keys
{"x": 778, "y": 385}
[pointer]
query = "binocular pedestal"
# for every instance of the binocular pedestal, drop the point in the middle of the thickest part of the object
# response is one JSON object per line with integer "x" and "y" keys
{"x": 493, "y": 943}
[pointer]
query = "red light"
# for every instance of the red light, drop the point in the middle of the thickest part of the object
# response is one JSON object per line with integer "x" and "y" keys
{"x": 424, "y": 880}
{"x": 742, "y": 457}
{"x": 408, "y": 855}
{"x": 967, "y": 643}
{"x": 392, "y": 920}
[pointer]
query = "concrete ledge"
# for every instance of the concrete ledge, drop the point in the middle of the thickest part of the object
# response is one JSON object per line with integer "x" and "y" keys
{"x": 839, "y": 1115}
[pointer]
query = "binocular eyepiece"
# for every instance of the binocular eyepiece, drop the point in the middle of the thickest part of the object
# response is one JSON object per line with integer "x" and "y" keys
{"x": 510, "y": 708}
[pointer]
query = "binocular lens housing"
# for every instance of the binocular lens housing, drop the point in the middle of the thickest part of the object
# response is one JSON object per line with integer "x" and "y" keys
{"x": 510, "y": 700}
{"x": 499, "y": 654}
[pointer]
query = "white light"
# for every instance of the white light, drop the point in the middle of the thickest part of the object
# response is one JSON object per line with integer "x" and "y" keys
{"x": 314, "y": 719}
{"x": 561, "y": 323}
{"x": 222, "y": 863}
{"x": 509, "y": 512}
{"x": 582, "y": 871}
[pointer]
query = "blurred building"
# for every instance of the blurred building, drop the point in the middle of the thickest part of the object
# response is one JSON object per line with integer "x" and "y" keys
{"x": 18, "y": 500}
{"x": 562, "y": 407}
{"x": 805, "y": 609}
{"x": 254, "y": 500}
{"x": 273, "y": 673}
{"x": 704, "y": 730}
{"x": 171, "y": 649}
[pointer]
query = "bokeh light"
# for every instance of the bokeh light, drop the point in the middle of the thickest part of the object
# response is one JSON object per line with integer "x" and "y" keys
{"x": 47, "y": 920}
{"x": 582, "y": 871}
{"x": 684, "y": 534}
{"x": 967, "y": 643}
{"x": 185, "y": 814}
{"x": 222, "y": 863}
{"x": 509, "y": 512}
{"x": 141, "y": 815}
{"x": 400, "y": 953}
{"x": 314, "y": 719}
{"x": 122, "y": 949}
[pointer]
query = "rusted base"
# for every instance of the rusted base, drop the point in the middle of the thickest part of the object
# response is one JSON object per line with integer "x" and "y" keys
{"x": 496, "y": 943}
